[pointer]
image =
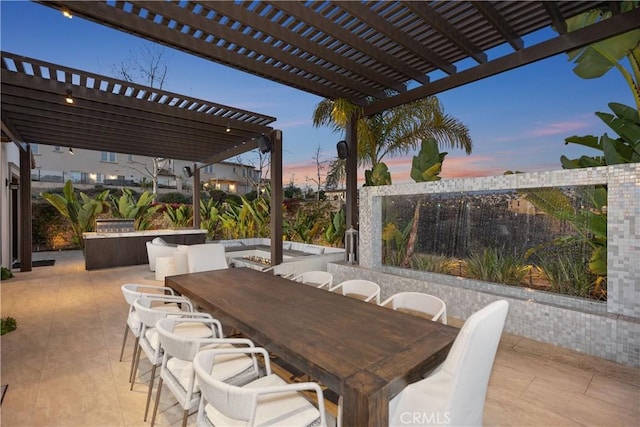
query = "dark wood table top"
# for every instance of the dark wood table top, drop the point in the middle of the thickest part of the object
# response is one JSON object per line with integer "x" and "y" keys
{"x": 363, "y": 352}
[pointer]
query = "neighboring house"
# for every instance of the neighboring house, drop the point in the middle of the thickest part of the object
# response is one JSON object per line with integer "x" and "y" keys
{"x": 54, "y": 165}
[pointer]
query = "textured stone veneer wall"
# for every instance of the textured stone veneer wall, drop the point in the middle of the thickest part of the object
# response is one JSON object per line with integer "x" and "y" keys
{"x": 610, "y": 330}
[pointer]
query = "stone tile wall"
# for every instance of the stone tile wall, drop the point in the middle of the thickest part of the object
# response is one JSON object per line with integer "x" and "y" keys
{"x": 610, "y": 330}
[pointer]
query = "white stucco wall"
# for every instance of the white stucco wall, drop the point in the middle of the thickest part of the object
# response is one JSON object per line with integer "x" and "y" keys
{"x": 10, "y": 163}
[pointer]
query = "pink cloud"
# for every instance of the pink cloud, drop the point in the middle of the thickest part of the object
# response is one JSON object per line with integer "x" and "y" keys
{"x": 565, "y": 129}
{"x": 453, "y": 167}
{"x": 400, "y": 169}
{"x": 559, "y": 128}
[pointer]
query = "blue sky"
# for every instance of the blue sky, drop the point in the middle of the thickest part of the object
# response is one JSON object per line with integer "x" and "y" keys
{"x": 518, "y": 120}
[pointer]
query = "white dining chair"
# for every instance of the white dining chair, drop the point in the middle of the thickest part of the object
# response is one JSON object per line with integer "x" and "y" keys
{"x": 131, "y": 292}
{"x": 319, "y": 279}
{"x": 283, "y": 270}
{"x": 176, "y": 370}
{"x": 266, "y": 401}
{"x": 454, "y": 393}
{"x": 206, "y": 257}
{"x": 359, "y": 288}
{"x": 418, "y": 303}
{"x": 149, "y": 342}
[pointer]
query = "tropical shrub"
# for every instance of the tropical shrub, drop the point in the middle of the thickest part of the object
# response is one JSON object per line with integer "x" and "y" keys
{"x": 378, "y": 175}
{"x": 173, "y": 197}
{"x": 7, "y": 324}
{"x": 180, "y": 216}
{"x": 210, "y": 217}
{"x": 334, "y": 233}
{"x": 309, "y": 223}
{"x": 141, "y": 210}
{"x": 492, "y": 266}
{"x": 569, "y": 276}
{"x": 394, "y": 242}
{"x": 434, "y": 263}
{"x": 595, "y": 60}
{"x": 81, "y": 213}
{"x": 5, "y": 273}
{"x": 246, "y": 219}
{"x": 49, "y": 230}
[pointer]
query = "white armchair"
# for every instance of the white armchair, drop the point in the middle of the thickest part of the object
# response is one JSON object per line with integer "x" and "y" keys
{"x": 268, "y": 400}
{"x": 206, "y": 257}
{"x": 158, "y": 248}
{"x": 419, "y": 303}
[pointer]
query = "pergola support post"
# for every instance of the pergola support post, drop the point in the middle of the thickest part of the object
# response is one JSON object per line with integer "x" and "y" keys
{"x": 26, "y": 245}
{"x": 196, "y": 197}
{"x": 351, "y": 169}
{"x": 276, "y": 197}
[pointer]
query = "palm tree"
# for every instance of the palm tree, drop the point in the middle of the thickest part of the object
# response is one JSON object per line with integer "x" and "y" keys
{"x": 396, "y": 131}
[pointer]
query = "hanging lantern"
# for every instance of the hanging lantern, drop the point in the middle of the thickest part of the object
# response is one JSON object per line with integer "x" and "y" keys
{"x": 351, "y": 245}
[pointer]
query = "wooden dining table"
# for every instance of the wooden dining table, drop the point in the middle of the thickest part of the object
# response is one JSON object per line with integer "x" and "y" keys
{"x": 365, "y": 353}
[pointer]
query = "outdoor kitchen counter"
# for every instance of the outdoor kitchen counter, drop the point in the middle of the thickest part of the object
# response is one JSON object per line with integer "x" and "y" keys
{"x": 104, "y": 250}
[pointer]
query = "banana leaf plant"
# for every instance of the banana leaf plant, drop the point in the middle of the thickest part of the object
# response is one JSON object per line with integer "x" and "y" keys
{"x": 80, "y": 212}
{"x": 378, "y": 175}
{"x": 141, "y": 210}
{"x": 625, "y": 149}
{"x": 210, "y": 212}
{"x": 180, "y": 216}
{"x": 596, "y": 59}
{"x": 334, "y": 233}
{"x": 249, "y": 219}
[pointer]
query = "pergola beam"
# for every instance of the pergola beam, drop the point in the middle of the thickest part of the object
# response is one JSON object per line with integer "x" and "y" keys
{"x": 613, "y": 26}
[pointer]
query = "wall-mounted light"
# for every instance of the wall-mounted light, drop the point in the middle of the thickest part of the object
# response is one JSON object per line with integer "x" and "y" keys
{"x": 69, "y": 97}
{"x": 187, "y": 171}
{"x": 228, "y": 129}
{"x": 71, "y": 151}
{"x": 66, "y": 13}
{"x": 12, "y": 185}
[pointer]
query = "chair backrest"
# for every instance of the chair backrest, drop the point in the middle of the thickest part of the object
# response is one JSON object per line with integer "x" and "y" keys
{"x": 206, "y": 257}
{"x": 368, "y": 289}
{"x": 284, "y": 270}
{"x": 149, "y": 314}
{"x": 433, "y": 307}
{"x": 233, "y": 401}
{"x": 133, "y": 291}
{"x": 181, "y": 346}
{"x": 319, "y": 279}
{"x": 458, "y": 388}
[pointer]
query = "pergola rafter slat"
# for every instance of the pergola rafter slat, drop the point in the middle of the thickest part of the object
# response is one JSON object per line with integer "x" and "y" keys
{"x": 162, "y": 123}
{"x": 362, "y": 51}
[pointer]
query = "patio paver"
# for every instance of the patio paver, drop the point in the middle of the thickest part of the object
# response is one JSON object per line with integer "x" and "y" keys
{"x": 62, "y": 365}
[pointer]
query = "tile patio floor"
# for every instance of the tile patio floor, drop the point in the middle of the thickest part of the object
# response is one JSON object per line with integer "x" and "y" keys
{"x": 62, "y": 367}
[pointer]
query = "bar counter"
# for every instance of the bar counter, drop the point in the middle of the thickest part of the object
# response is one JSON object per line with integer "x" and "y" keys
{"x": 104, "y": 250}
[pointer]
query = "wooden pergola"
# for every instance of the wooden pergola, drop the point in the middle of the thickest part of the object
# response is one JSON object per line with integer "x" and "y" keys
{"x": 51, "y": 104}
{"x": 377, "y": 54}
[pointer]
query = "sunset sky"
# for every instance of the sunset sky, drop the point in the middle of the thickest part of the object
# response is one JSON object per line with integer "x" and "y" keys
{"x": 518, "y": 120}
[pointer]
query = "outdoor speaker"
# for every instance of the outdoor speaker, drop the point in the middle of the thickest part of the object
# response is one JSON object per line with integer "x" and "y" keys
{"x": 264, "y": 143}
{"x": 343, "y": 149}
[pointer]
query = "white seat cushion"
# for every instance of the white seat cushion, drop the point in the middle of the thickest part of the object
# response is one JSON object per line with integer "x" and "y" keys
{"x": 192, "y": 330}
{"x": 282, "y": 409}
{"x": 229, "y": 368}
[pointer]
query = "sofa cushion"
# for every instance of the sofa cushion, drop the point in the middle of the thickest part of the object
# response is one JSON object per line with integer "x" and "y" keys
{"x": 159, "y": 241}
